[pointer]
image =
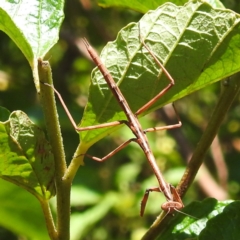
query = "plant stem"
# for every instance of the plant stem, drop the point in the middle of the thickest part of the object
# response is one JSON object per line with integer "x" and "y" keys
{"x": 230, "y": 91}
{"x": 55, "y": 139}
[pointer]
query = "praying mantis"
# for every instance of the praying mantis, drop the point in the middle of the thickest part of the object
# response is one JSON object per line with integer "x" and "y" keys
{"x": 173, "y": 200}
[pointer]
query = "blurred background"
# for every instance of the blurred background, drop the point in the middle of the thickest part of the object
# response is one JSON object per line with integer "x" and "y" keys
{"x": 106, "y": 196}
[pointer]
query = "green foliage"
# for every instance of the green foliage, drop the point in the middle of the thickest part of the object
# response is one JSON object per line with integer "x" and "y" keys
{"x": 21, "y": 213}
{"x": 92, "y": 216}
{"x": 198, "y": 45}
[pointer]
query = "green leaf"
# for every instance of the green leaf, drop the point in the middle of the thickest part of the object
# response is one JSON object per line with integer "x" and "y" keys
{"x": 198, "y": 45}
{"x": 144, "y": 6}
{"x": 21, "y": 212}
{"x": 32, "y": 25}
{"x": 225, "y": 225}
{"x": 26, "y": 157}
{"x": 184, "y": 227}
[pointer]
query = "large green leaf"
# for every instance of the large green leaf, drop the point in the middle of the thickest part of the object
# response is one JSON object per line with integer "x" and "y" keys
{"x": 198, "y": 45}
{"x": 144, "y": 6}
{"x": 32, "y": 25}
{"x": 25, "y": 156}
{"x": 207, "y": 221}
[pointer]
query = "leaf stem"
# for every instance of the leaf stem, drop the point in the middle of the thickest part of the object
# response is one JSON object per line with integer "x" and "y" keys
{"x": 49, "y": 219}
{"x": 55, "y": 139}
{"x": 229, "y": 93}
{"x": 76, "y": 162}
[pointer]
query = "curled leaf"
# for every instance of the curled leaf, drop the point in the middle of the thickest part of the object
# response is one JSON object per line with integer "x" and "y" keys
{"x": 25, "y": 156}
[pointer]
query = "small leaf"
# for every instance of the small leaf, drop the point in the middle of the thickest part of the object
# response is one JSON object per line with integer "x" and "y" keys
{"x": 184, "y": 227}
{"x": 198, "y": 45}
{"x": 26, "y": 157}
{"x": 32, "y": 25}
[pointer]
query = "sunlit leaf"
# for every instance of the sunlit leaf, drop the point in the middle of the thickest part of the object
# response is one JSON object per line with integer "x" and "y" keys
{"x": 184, "y": 227}
{"x": 198, "y": 45}
{"x": 224, "y": 225}
{"x": 32, "y": 25}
